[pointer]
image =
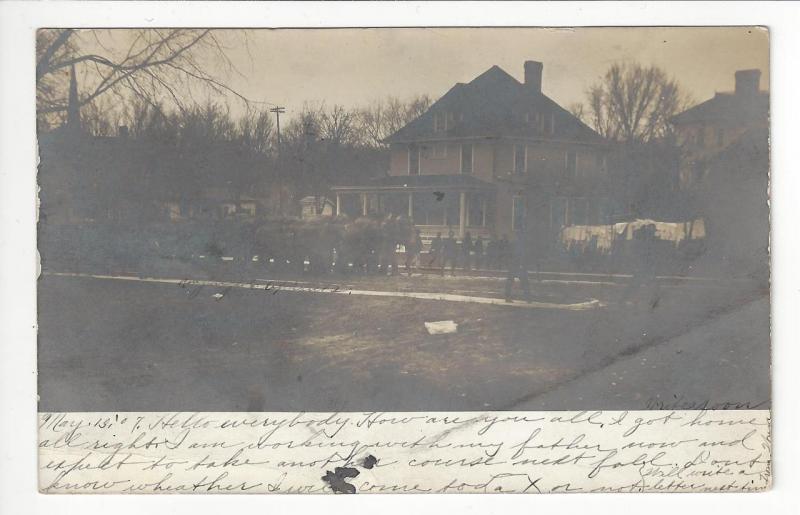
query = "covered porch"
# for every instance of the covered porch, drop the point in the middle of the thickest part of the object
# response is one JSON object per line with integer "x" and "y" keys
{"x": 434, "y": 203}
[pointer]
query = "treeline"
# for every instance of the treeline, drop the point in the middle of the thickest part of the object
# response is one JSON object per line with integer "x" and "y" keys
{"x": 206, "y": 146}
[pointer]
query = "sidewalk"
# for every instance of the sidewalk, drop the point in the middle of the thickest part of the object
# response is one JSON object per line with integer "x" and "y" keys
{"x": 277, "y": 286}
{"x": 675, "y": 374}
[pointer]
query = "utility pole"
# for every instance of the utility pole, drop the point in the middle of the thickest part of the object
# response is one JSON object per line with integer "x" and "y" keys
{"x": 278, "y": 110}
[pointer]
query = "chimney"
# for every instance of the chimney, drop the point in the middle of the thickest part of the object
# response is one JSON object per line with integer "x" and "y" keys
{"x": 122, "y": 132}
{"x": 747, "y": 81}
{"x": 533, "y": 75}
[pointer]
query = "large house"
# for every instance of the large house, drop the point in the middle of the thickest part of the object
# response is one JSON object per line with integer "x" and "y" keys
{"x": 709, "y": 128}
{"x": 490, "y": 157}
{"x": 725, "y": 172}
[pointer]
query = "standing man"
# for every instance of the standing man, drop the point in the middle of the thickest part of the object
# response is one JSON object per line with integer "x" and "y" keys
{"x": 450, "y": 253}
{"x": 642, "y": 261}
{"x": 479, "y": 247}
{"x": 492, "y": 254}
{"x": 518, "y": 265}
{"x": 503, "y": 252}
{"x": 435, "y": 251}
{"x": 466, "y": 249}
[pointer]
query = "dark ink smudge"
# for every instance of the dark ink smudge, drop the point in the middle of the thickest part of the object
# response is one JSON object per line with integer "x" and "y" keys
{"x": 336, "y": 479}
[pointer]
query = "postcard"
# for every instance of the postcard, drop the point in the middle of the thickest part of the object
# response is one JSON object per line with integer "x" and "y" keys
{"x": 404, "y": 260}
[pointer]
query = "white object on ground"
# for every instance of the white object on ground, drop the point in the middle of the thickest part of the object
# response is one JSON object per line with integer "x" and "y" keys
{"x": 218, "y": 295}
{"x": 441, "y": 327}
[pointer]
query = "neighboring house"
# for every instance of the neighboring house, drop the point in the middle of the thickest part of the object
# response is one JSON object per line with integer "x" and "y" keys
{"x": 709, "y": 128}
{"x": 725, "y": 172}
{"x": 213, "y": 203}
{"x": 489, "y": 157}
{"x": 86, "y": 178}
{"x": 312, "y": 207}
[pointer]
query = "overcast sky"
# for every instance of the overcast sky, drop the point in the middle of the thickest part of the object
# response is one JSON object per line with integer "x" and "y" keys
{"x": 354, "y": 66}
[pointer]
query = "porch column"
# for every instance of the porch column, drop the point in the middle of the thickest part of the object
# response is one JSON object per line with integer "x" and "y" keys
{"x": 338, "y": 204}
{"x": 364, "y": 204}
{"x": 410, "y": 205}
{"x": 462, "y": 213}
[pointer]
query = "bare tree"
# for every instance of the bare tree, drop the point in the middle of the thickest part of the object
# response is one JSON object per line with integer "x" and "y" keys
{"x": 255, "y": 131}
{"x": 153, "y": 65}
{"x": 578, "y": 110}
{"x": 633, "y": 103}
{"x": 381, "y": 119}
{"x": 337, "y": 125}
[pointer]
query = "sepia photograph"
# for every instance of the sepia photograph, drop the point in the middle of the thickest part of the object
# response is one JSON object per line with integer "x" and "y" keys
{"x": 403, "y": 219}
{"x": 269, "y": 255}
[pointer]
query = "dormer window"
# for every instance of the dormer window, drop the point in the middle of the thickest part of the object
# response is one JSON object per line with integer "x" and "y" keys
{"x": 535, "y": 120}
{"x": 443, "y": 121}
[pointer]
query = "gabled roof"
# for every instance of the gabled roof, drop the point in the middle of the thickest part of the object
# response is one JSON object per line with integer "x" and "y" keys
{"x": 736, "y": 108}
{"x": 495, "y": 104}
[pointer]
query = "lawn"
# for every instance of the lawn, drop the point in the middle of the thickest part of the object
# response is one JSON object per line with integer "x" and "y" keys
{"x": 118, "y": 345}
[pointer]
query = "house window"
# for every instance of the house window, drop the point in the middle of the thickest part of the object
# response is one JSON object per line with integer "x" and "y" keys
{"x": 434, "y": 151}
{"x": 476, "y": 210}
{"x": 439, "y": 151}
{"x": 438, "y": 121}
{"x": 602, "y": 212}
{"x": 720, "y": 137}
{"x": 558, "y": 213}
{"x": 602, "y": 165}
{"x": 701, "y": 137}
{"x": 571, "y": 163}
{"x": 413, "y": 160}
{"x": 466, "y": 158}
{"x": 452, "y": 206}
{"x": 519, "y": 159}
{"x": 578, "y": 211}
{"x": 552, "y": 124}
{"x": 517, "y": 213}
{"x": 443, "y": 121}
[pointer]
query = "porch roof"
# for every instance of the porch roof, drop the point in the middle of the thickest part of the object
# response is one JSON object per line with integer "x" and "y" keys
{"x": 411, "y": 183}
